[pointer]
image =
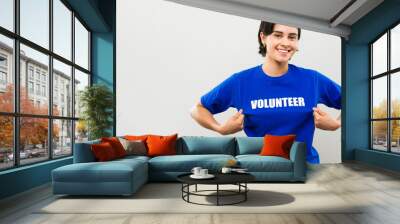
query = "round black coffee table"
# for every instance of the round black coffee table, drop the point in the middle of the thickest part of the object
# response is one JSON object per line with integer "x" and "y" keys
{"x": 238, "y": 179}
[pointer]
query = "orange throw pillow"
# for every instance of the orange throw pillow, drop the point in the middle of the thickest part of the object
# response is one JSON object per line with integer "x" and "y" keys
{"x": 103, "y": 152}
{"x": 116, "y": 145}
{"x": 135, "y": 138}
{"x": 277, "y": 145}
{"x": 161, "y": 145}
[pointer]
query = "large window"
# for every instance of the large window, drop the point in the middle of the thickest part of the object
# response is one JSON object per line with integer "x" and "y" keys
{"x": 385, "y": 94}
{"x": 44, "y": 64}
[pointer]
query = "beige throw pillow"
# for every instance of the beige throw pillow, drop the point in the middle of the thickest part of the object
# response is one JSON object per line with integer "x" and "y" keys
{"x": 137, "y": 147}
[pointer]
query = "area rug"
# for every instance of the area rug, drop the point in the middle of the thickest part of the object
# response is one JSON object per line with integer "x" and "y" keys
{"x": 167, "y": 198}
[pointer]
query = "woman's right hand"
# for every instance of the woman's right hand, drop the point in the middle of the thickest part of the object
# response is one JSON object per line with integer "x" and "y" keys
{"x": 233, "y": 124}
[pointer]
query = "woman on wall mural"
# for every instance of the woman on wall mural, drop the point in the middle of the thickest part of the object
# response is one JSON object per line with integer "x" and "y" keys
{"x": 275, "y": 97}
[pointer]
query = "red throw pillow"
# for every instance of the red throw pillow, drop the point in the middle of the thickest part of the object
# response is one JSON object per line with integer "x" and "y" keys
{"x": 161, "y": 145}
{"x": 277, "y": 145}
{"x": 103, "y": 151}
{"x": 116, "y": 145}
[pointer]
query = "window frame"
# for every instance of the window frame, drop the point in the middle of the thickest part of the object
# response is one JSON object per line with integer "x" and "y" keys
{"x": 15, "y": 72}
{"x": 3, "y": 70}
{"x": 388, "y": 74}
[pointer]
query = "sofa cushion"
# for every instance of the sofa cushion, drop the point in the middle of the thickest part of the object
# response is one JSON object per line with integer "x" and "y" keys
{"x": 133, "y": 162}
{"x": 197, "y": 145}
{"x": 111, "y": 171}
{"x": 249, "y": 145}
{"x": 257, "y": 163}
{"x": 131, "y": 158}
{"x": 185, "y": 163}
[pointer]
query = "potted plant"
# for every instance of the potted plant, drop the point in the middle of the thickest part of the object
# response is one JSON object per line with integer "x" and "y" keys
{"x": 96, "y": 102}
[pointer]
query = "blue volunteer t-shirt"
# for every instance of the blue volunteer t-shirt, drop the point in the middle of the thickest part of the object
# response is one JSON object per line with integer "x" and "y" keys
{"x": 276, "y": 105}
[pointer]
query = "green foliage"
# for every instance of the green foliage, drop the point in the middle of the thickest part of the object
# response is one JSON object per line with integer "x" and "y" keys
{"x": 96, "y": 102}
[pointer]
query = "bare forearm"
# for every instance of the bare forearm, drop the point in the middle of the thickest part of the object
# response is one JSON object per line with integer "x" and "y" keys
{"x": 204, "y": 117}
{"x": 335, "y": 124}
{"x": 324, "y": 121}
{"x": 339, "y": 121}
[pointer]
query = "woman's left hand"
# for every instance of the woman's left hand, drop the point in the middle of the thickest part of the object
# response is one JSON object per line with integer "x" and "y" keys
{"x": 323, "y": 121}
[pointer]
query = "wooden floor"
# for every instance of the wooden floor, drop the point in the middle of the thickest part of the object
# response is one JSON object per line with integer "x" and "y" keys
{"x": 378, "y": 188}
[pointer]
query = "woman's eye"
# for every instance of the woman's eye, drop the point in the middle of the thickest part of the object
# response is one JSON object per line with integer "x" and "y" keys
{"x": 278, "y": 35}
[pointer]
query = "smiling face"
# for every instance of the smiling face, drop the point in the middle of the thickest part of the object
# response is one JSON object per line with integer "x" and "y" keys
{"x": 282, "y": 43}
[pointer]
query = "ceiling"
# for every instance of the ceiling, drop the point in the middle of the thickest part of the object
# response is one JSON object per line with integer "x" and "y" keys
{"x": 326, "y": 16}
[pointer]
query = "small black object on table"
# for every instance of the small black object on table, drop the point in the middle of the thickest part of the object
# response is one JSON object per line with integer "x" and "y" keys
{"x": 239, "y": 179}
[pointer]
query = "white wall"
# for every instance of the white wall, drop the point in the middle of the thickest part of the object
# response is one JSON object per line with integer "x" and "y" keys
{"x": 168, "y": 55}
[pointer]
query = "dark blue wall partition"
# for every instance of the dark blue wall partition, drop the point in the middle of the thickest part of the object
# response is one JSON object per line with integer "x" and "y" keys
{"x": 90, "y": 12}
{"x": 103, "y": 63}
{"x": 356, "y": 103}
{"x": 103, "y": 52}
{"x": 102, "y": 59}
{"x": 380, "y": 159}
{"x": 355, "y": 55}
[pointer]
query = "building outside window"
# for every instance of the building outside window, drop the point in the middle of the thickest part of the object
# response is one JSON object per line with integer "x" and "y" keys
{"x": 3, "y": 61}
{"x": 30, "y": 72}
{"x": 55, "y": 96}
{"x": 3, "y": 72}
{"x": 3, "y": 78}
{"x": 3, "y": 81}
{"x": 43, "y": 90}
{"x": 43, "y": 78}
{"x": 38, "y": 89}
{"x": 30, "y": 87}
{"x": 37, "y": 75}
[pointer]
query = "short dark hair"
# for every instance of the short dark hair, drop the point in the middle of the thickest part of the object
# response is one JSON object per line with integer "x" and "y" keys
{"x": 267, "y": 28}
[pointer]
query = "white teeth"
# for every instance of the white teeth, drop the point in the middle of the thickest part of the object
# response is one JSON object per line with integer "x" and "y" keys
{"x": 284, "y": 51}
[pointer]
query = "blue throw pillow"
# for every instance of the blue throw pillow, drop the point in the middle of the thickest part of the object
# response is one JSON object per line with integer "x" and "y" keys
{"x": 249, "y": 145}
